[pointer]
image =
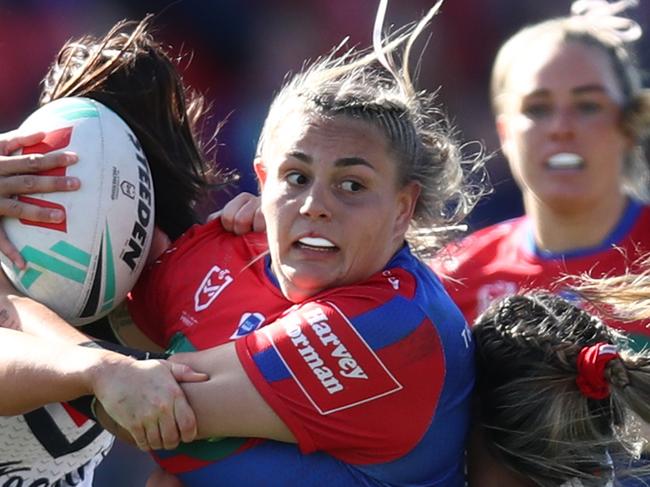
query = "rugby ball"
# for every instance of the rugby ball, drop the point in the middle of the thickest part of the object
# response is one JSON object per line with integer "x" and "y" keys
{"x": 84, "y": 267}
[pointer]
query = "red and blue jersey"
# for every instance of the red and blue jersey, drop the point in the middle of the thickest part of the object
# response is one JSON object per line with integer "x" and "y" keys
{"x": 503, "y": 259}
{"x": 373, "y": 379}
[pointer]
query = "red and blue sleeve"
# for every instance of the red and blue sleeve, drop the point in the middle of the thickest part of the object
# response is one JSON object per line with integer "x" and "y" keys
{"x": 357, "y": 374}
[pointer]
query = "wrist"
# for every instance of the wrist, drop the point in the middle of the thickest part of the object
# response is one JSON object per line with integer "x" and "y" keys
{"x": 102, "y": 364}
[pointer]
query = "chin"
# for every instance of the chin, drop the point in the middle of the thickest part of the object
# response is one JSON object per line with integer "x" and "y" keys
{"x": 298, "y": 290}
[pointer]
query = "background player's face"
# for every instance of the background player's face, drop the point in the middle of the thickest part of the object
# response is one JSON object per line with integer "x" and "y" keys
{"x": 560, "y": 126}
{"x": 333, "y": 209}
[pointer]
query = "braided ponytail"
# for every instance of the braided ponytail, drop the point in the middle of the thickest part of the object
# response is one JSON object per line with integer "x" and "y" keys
{"x": 535, "y": 414}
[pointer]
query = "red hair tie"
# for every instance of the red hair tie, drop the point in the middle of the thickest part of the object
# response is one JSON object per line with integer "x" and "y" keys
{"x": 592, "y": 361}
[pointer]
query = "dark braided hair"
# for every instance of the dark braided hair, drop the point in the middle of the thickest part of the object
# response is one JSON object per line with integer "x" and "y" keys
{"x": 533, "y": 414}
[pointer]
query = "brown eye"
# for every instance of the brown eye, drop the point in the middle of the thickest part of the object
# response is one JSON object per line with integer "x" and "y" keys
{"x": 296, "y": 178}
{"x": 589, "y": 107}
{"x": 537, "y": 110}
{"x": 352, "y": 186}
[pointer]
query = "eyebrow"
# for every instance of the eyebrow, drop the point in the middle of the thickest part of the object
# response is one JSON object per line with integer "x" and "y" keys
{"x": 578, "y": 90}
{"x": 342, "y": 162}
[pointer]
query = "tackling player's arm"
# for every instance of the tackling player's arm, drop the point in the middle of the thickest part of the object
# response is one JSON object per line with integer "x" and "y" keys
{"x": 41, "y": 363}
{"x": 227, "y": 404}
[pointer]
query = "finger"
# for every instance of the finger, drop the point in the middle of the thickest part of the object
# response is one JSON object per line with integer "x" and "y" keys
{"x": 184, "y": 373}
{"x": 33, "y": 163}
{"x": 185, "y": 420}
{"x": 28, "y": 184}
{"x": 15, "y": 141}
{"x": 14, "y": 208}
{"x": 8, "y": 249}
{"x": 152, "y": 433}
{"x": 214, "y": 216}
{"x": 168, "y": 431}
{"x": 259, "y": 223}
{"x": 140, "y": 438}
{"x": 245, "y": 217}
{"x": 229, "y": 212}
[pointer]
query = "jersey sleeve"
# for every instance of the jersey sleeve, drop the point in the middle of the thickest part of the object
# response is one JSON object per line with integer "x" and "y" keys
{"x": 356, "y": 375}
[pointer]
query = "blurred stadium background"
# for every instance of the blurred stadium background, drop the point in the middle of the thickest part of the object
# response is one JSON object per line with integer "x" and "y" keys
{"x": 236, "y": 52}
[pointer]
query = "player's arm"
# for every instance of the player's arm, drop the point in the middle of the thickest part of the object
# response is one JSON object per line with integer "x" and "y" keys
{"x": 228, "y": 404}
{"x": 41, "y": 362}
{"x": 34, "y": 372}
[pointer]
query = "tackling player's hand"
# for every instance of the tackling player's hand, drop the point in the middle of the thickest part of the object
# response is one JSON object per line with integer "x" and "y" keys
{"x": 144, "y": 398}
{"x": 241, "y": 215}
{"x": 18, "y": 176}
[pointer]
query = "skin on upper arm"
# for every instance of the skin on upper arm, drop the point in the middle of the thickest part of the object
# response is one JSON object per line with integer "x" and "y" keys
{"x": 228, "y": 404}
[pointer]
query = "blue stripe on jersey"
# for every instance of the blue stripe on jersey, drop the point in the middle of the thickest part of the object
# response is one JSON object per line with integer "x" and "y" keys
{"x": 268, "y": 362}
{"x": 378, "y": 328}
{"x": 275, "y": 464}
{"x": 620, "y": 231}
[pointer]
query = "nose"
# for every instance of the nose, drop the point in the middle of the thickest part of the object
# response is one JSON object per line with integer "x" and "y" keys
{"x": 315, "y": 204}
{"x": 562, "y": 124}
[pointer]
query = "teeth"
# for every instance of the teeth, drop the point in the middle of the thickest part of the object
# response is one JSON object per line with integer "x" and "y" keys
{"x": 316, "y": 242}
{"x": 565, "y": 160}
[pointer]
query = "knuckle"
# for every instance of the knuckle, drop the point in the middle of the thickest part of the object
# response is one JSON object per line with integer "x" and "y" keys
{"x": 29, "y": 182}
{"x": 34, "y": 162}
{"x": 15, "y": 208}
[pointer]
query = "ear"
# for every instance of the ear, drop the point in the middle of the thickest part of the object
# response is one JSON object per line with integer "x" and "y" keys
{"x": 407, "y": 199}
{"x": 260, "y": 171}
{"x": 502, "y": 121}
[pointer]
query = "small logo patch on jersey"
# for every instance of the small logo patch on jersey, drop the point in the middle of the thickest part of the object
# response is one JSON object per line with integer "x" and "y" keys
{"x": 248, "y": 323}
{"x": 330, "y": 362}
{"x": 213, "y": 284}
{"x": 392, "y": 279}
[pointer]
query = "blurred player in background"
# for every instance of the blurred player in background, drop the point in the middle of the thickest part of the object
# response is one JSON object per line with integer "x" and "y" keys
{"x": 573, "y": 118}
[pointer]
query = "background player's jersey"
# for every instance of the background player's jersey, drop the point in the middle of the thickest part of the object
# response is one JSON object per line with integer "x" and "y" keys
{"x": 373, "y": 379}
{"x": 503, "y": 259}
{"x": 50, "y": 446}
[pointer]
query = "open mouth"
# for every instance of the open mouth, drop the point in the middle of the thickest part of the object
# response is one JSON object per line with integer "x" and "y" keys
{"x": 565, "y": 160}
{"x": 319, "y": 244}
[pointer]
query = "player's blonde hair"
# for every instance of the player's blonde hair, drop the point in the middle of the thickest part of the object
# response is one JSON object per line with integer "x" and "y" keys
{"x": 374, "y": 87}
{"x": 612, "y": 35}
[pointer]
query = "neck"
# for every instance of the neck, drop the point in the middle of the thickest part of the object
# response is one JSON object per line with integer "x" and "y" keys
{"x": 572, "y": 227}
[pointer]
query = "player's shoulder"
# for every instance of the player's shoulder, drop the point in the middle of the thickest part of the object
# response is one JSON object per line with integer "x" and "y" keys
{"x": 406, "y": 288}
{"x": 212, "y": 237}
{"x": 478, "y": 248}
{"x": 642, "y": 223}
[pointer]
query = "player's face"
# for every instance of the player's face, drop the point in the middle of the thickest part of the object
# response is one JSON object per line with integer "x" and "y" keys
{"x": 333, "y": 209}
{"x": 560, "y": 127}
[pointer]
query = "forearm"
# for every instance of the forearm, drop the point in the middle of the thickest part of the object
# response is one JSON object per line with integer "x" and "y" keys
{"x": 34, "y": 372}
{"x": 21, "y": 313}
